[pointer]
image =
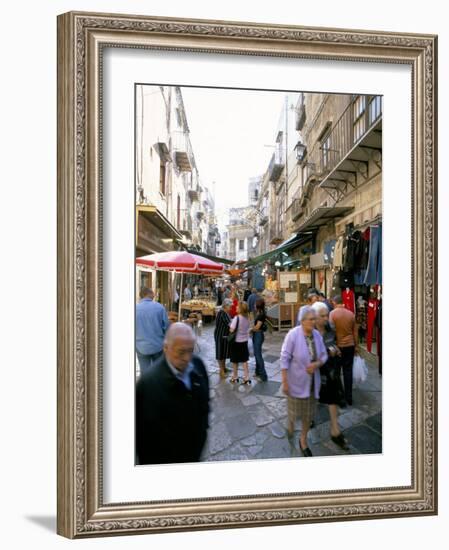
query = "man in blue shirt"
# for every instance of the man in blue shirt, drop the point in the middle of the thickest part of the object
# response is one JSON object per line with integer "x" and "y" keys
{"x": 252, "y": 298}
{"x": 151, "y": 326}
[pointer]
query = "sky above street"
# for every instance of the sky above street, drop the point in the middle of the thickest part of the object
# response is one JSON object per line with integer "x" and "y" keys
{"x": 232, "y": 133}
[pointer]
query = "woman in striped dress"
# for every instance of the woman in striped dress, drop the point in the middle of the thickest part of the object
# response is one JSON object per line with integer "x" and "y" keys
{"x": 221, "y": 332}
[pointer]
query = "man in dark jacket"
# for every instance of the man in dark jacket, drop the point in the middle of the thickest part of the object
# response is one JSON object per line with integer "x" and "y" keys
{"x": 172, "y": 403}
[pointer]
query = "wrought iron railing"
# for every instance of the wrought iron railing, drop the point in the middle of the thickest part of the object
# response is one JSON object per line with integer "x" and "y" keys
{"x": 277, "y": 164}
{"x": 354, "y": 124}
{"x": 181, "y": 145}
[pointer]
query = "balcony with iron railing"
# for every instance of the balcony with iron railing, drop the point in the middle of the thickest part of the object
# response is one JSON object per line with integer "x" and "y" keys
{"x": 191, "y": 185}
{"x": 277, "y": 164}
{"x": 263, "y": 219}
{"x": 183, "y": 153}
{"x": 187, "y": 225}
{"x": 296, "y": 209}
{"x": 275, "y": 234}
{"x": 352, "y": 138}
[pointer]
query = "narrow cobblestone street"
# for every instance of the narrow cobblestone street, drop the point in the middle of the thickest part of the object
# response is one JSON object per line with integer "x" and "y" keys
{"x": 249, "y": 422}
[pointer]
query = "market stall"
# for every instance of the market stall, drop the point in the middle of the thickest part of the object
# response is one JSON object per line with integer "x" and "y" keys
{"x": 285, "y": 295}
{"x": 181, "y": 262}
{"x": 203, "y": 307}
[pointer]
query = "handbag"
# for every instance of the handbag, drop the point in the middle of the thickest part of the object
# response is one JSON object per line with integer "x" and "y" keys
{"x": 232, "y": 335}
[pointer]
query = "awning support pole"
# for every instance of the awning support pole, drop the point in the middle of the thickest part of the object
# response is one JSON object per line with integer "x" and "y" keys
{"x": 180, "y": 297}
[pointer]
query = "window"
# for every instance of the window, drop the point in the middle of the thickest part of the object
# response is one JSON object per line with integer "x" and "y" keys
{"x": 280, "y": 220}
{"x": 375, "y": 108}
{"x": 241, "y": 244}
{"x": 359, "y": 107}
{"x": 162, "y": 174}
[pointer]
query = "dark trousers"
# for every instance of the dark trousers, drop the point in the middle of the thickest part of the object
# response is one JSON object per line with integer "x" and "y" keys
{"x": 346, "y": 361}
{"x": 258, "y": 339}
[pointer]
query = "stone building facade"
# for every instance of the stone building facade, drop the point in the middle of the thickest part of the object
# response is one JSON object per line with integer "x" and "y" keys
{"x": 174, "y": 209}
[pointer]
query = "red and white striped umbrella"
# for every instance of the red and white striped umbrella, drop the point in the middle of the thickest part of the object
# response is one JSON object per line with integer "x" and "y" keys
{"x": 180, "y": 262}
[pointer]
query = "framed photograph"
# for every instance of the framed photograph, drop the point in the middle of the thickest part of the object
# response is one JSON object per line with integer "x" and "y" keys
{"x": 199, "y": 162}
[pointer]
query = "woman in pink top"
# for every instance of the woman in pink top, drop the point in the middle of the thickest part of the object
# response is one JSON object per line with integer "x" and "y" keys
{"x": 239, "y": 347}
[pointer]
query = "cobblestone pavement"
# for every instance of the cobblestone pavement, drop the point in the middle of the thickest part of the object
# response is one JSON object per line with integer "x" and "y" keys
{"x": 249, "y": 422}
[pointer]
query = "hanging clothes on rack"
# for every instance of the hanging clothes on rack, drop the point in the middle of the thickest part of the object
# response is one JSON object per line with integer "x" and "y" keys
{"x": 361, "y": 316}
{"x": 338, "y": 253}
{"x": 364, "y": 249}
{"x": 349, "y": 251}
{"x": 359, "y": 277}
{"x": 379, "y": 334}
{"x": 371, "y": 272}
{"x": 379, "y": 257}
{"x": 371, "y": 317}
{"x": 359, "y": 244}
{"x": 346, "y": 279}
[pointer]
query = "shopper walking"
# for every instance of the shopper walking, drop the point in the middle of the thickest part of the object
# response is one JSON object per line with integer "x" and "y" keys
{"x": 303, "y": 353}
{"x": 172, "y": 403}
{"x": 331, "y": 390}
{"x": 239, "y": 347}
{"x": 258, "y": 334}
{"x": 343, "y": 322}
{"x": 221, "y": 332}
{"x": 151, "y": 326}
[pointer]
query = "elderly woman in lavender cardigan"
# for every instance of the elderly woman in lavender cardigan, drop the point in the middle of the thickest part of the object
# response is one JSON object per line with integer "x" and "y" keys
{"x": 303, "y": 353}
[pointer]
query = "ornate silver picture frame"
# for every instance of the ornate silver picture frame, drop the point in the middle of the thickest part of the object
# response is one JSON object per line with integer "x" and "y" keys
{"x": 82, "y": 39}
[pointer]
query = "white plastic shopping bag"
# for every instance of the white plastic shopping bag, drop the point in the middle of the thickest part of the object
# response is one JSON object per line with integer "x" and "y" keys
{"x": 251, "y": 347}
{"x": 359, "y": 370}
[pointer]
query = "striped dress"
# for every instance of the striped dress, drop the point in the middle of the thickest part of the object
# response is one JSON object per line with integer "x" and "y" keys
{"x": 222, "y": 323}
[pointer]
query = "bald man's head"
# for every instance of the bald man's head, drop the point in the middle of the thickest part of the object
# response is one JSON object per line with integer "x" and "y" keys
{"x": 179, "y": 345}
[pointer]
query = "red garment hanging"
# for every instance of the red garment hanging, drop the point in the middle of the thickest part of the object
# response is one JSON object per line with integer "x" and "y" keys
{"x": 348, "y": 298}
{"x": 373, "y": 304}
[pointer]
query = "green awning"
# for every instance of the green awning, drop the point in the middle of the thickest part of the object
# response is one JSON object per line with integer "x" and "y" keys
{"x": 292, "y": 242}
{"x": 209, "y": 257}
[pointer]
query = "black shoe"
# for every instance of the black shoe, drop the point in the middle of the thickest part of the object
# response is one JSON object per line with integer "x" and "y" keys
{"x": 306, "y": 451}
{"x": 340, "y": 441}
{"x": 312, "y": 424}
